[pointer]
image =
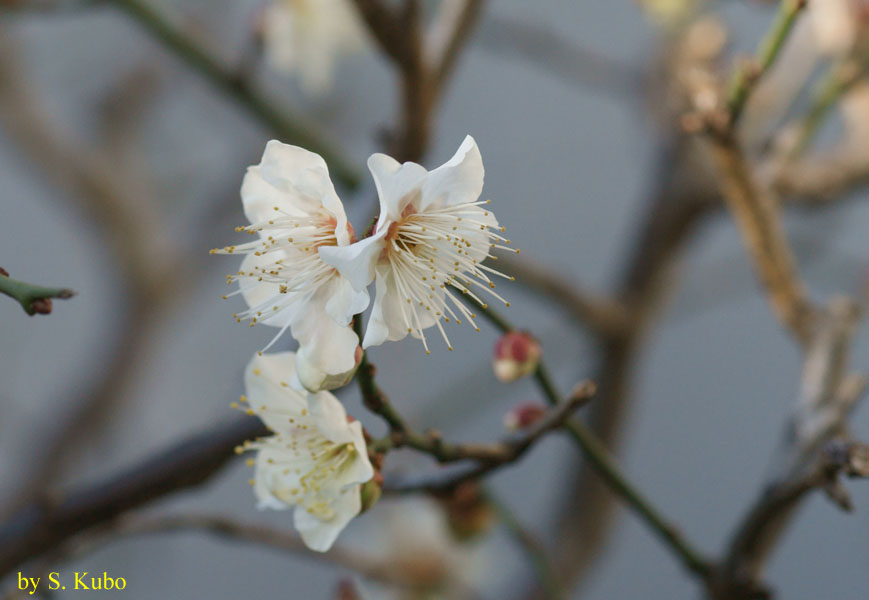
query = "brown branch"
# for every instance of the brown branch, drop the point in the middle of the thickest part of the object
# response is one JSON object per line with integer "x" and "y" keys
{"x": 605, "y": 317}
{"x": 756, "y": 214}
{"x": 822, "y": 180}
{"x": 489, "y": 457}
{"x": 456, "y": 21}
{"x": 233, "y": 530}
{"x": 826, "y": 399}
{"x": 40, "y": 527}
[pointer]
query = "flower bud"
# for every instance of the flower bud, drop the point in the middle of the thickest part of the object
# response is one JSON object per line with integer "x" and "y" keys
{"x": 523, "y": 415}
{"x": 516, "y": 355}
{"x": 370, "y": 491}
{"x": 468, "y": 512}
{"x": 316, "y": 380}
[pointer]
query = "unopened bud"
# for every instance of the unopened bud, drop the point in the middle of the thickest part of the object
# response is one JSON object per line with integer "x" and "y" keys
{"x": 314, "y": 379}
{"x": 371, "y": 491}
{"x": 468, "y": 512}
{"x": 41, "y": 306}
{"x": 523, "y": 415}
{"x": 516, "y": 355}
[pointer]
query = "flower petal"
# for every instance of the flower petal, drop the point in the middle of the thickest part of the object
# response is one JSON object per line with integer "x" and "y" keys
{"x": 319, "y": 535}
{"x": 290, "y": 178}
{"x": 344, "y": 301}
{"x": 356, "y": 262}
{"x": 396, "y": 185}
{"x": 457, "y": 181}
{"x": 267, "y": 397}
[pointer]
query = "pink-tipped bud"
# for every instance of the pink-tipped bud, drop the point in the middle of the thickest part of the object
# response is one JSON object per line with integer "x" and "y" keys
{"x": 516, "y": 355}
{"x": 523, "y": 415}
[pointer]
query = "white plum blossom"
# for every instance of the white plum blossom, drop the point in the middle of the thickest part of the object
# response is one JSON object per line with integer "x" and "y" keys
{"x": 307, "y": 37}
{"x": 834, "y": 25}
{"x": 316, "y": 460}
{"x": 294, "y": 213}
{"x": 432, "y": 234}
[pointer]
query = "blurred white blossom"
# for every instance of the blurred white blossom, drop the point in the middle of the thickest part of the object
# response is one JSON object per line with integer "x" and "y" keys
{"x": 432, "y": 233}
{"x": 294, "y": 213}
{"x": 308, "y": 37}
{"x": 834, "y": 24}
{"x": 316, "y": 460}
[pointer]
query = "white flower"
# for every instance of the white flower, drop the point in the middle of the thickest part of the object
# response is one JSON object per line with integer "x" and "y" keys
{"x": 294, "y": 212}
{"x": 309, "y": 36}
{"x": 432, "y": 233}
{"x": 834, "y": 24}
{"x": 316, "y": 461}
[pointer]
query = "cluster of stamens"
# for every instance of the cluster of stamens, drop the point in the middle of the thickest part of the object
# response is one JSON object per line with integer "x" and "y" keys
{"x": 308, "y": 460}
{"x": 295, "y": 267}
{"x": 432, "y": 251}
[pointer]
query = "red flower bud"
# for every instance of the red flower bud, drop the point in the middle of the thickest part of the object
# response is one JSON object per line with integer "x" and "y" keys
{"x": 523, "y": 415}
{"x": 516, "y": 355}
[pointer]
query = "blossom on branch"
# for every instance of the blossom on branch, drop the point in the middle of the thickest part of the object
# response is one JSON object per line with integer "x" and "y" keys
{"x": 316, "y": 461}
{"x": 432, "y": 234}
{"x": 294, "y": 213}
{"x": 307, "y": 37}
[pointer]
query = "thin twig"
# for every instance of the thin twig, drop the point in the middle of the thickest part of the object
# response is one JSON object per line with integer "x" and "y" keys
{"x": 34, "y": 299}
{"x": 751, "y": 71}
{"x": 489, "y": 457}
{"x": 603, "y": 316}
{"x": 605, "y": 465}
{"x": 287, "y": 126}
{"x": 756, "y": 214}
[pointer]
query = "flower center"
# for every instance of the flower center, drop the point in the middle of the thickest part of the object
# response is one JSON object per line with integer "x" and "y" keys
{"x": 432, "y": 251}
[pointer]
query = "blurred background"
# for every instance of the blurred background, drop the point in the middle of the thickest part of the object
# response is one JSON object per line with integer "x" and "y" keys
{"x": 557, "y": 96}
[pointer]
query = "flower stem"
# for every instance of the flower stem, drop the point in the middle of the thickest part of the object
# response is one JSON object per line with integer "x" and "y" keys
{"x": 750, "y": 72}
{"x": 32, "y": 298}
{"x": 372, "y": 396}
{"x": 285, "y": 125}
{"x": 602, "y": 461}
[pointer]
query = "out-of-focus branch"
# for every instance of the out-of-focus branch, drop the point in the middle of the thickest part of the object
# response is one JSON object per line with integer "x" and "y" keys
{"x": 545, "y": 49}
{"x": 822, "y": 180}
{"x": 604, "y": 316}
{"x": 546, "y": 572}
{"x": 827, "y": 398}
{"x": 133, "y": 236}
{"x": 756, "y": 214}
{"x": 41, "y": 527}
{"x": 748, "y": 74}
{"x": 287, "y": 126}
{"x": 34, "y": 299}
{"x": 234, "y": 531}
{"x": 457, "y": 20}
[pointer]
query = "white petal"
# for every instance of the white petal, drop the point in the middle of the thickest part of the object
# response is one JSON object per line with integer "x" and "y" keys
{"x": 323, "y": 342}
{"x": 270, "y": 479}
{"x": 319, "y": 535}
{"x": 397, "y": 185}
{"x": 262, "y": 381}
{"x": 290, "y": 178}
{"x": 330, "y": 417}
{"x": 356, "y": 262}
{"x": 392, "y": 315}
{"x": 344, "y": 301}
{"x": 458, "y": 181}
